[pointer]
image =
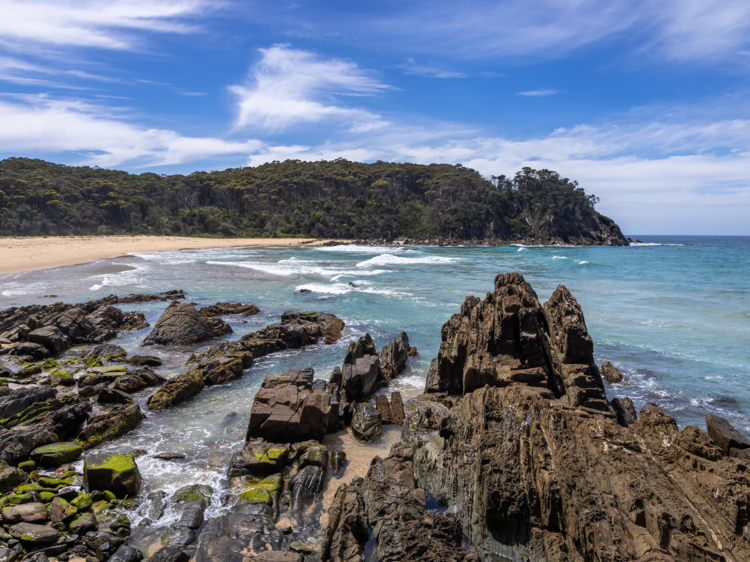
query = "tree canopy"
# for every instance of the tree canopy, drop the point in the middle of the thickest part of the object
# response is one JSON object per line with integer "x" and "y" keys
{"x": 336, "y": 199}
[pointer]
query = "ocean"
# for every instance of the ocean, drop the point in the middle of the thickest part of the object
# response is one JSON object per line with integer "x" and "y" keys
{"x": 672, "y": 313}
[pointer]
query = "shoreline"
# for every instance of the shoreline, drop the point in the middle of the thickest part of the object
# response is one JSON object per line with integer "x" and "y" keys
{"x": 21, "y": 254}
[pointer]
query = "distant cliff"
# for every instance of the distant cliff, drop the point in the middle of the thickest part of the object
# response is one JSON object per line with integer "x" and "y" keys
{"x": 337, "y": 199}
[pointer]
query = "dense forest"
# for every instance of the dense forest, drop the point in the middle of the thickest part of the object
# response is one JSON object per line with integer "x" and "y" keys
{"x": 329, "y": 199}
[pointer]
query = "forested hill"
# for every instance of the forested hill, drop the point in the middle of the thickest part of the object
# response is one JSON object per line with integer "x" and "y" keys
{"x": 338, "y": 199}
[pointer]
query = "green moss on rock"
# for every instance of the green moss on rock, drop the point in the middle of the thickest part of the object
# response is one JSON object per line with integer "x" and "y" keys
{"x": 117, "y": 473}
{"x": 50, "y": 364}
{"x": 56, "y": 454}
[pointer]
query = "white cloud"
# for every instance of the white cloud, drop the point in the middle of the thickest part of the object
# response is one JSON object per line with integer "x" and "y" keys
{"x": 92, "y": 23}
{"x": 538, "y": 93}
{"x": 289, "y": 86}
{"x": 102, "y": 135}
{"x": 412, "y": 67}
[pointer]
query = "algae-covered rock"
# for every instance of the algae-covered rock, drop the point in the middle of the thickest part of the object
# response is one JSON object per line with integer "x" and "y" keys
{"x": 27, "y": 466}
{"x": 367, "y": 424}
{"x": 196, "y": 495}
{"x": 112, "y": 396}
{"x": 82, "y": 502}
{"x": 266, "y": 491}
{"x": 91, "y": 379}
{"x": 28, "y": 371}
{"x": 60, "y": 377}
{"x": 50, "y": 364}
{"x": 116, "y": 473}
{"x": 177, "y": 390}
{"x": 109, "y": 425}
{"x": 145, "y": 360}
{"x": 32, "y": 533}
{"x": 10, "y": 477}
{"x": 61, "y": 510}
{"x": 83, "y": 523}
{"x": 56, "y": 454}
{"x": 259, "y": 458}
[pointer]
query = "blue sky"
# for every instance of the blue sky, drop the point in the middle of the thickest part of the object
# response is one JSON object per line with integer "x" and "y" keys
{"x": 645, "y": 103}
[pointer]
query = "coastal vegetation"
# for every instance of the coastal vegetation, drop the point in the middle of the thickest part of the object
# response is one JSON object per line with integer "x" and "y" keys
{"x": 327, "y": 199}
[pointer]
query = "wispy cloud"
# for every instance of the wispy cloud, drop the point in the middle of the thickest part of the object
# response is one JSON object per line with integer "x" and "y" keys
{"x": 538, "y": 93}
{"x": 101, "y": 135}
{"x": 289, "y": 86}
{"x": 412, "y": 67}
{"x": 92, "y": 23}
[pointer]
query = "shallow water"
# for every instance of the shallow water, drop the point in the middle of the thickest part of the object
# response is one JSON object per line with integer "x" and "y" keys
{"x": 672, "y": 314}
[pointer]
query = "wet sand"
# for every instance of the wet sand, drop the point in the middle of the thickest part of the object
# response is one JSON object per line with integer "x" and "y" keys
{"x": 25, "y": 254}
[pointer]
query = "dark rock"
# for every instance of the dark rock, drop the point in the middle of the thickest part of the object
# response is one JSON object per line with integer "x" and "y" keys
{"x": 384, "y": 407}
{"x": 227, "y": 308}
{"x": 21, "y": 398}
{"x": 624, "y": 410}
{"x": 112, "y": 396}
{"x": 277, "y": 556}
{"x": 338, "y": 460}
{"x": 50, "y": 337}
{"x": 367, "y": 422}
{"x": 422, "y": 415}
{"x": 108, "y": 352}
{"x": 61, "y": 510}
{"x": 10, "y": 477}
{"x": 305, "y": 291}
{"x": 16, "y": 444}
{"x": 248, "y": 527}
{"x": 83, "y": 523}
{"x": 724, "y": 434}
{"x": 137, "y": 380}
{"x": 287, "y": 410}
{"x": 34, "y": 350}
{"x": 611, "y": 373}
{"x": 109, "y": 425}
{"x": 181, "y": 324}
{"x": 145, "y": 360}
{"x": 126, "y": 554}
{"x": 393, "y": 357}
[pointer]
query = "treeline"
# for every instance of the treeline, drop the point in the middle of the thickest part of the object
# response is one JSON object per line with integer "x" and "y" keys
{"x": 337, "y": 199}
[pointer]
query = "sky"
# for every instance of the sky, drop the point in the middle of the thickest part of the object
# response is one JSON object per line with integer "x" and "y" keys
{"x": 644, "y": 103}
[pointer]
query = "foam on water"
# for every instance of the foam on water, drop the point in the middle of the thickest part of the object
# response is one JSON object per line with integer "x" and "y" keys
{"x": 344, "y": 288}
{"x": 289, "y": 267}
{"x": 390, "y": 259}
{"x": 359, "y": 249}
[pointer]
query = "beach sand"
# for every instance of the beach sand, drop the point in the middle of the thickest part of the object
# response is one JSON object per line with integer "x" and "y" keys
{"x": 24, "y": 254}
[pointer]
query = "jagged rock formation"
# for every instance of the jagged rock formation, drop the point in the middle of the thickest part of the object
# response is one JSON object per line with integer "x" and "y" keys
{"x": 226, "y": 361}
{"x": 393, "y": 357}
{"x": 228, "y": 308}
{"x": 181, "y": 324}
{"x": 539, "y": 468}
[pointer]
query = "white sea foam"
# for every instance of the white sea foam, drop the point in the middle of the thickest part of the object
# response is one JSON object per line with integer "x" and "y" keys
{"x": 119, "y": 279}
{"x": 582, "y": 262}
{"x": 362, "y": 249}
{"x": 286, "y": 268}
{"x": 344, "y": 288}
{"x": 559, "y": 258}
{"x": 521, "y": 249}
{"x": 390, "y": 259}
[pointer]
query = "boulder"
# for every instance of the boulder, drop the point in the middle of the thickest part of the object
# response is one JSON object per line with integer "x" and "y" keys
{"x": 114, "y": 473}
{"x": 367, "y": 423}
{"x": 181, "y": 324}
{"x": 169, "y": 554}
{"x": 126, "y": 553}
{"x": 112, "y": 396}
{"x": 611, "y": 373}
{"x": 56, "y": 454}
{"x": 286, "y": 409}
{"x": 228, "y": 308}
{"x": 50, "y": 337}
{"x": 61, "y": 510}
{"x": 264, "y": 492}
{"x": 60, "y": 377}
{"x": 16, "y": 445}
{"x": 397, "y": 408}
{"x": 361, "y": 371}
{"x": 304, "y": 485}
{"x": 33, "y": 533}
{"x": 393, "y": 357}
{"x": 108, "y": 352}
{"x": 34, "y": 350}
{"x": 110, "y": 424}
{"x": 177, "y": 390}
{"x": 145, "y": 360}
{"x": 27, "y": 513}
{"x": 83, "y": 523}
{"x": 137, "y": 380}
{"x": 624, "y": 410}
{"x": 312, "y": 453}
{"x": 259, "y": 459}
{"x": 10, "y": 477}
{"x": 384, "y": 407}
{"x": 724, "y": 434}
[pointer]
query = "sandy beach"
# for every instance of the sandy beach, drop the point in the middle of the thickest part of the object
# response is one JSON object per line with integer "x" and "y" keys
{"x": 25, "y": 254}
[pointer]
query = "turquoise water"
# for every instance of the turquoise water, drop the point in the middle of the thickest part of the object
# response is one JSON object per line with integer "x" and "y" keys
{"x": 673, "y": 314}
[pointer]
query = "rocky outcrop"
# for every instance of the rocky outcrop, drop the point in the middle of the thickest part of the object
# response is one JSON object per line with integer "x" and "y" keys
{"x": 16, "y": 444}
{"x": 393, "y": 357}
{"x": 397, "y": 515}
{"x": 367, "y": 423}
{"x": 724, "y": 434}
{"x": 228, "y": 308}
{"x": 611, "y": 373}
{"x": 182, "y": 324}
{"x": 287, "y": 409}
{"x": 177, "y": 390}
{"x": 346, "y": 531}
{"x": 360, "y": 374}
{"x": 20, "y": 399}
{"x": 624, "y": 410}
{"x": 137, "y": 380}
{"x": 113, "y": 423}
